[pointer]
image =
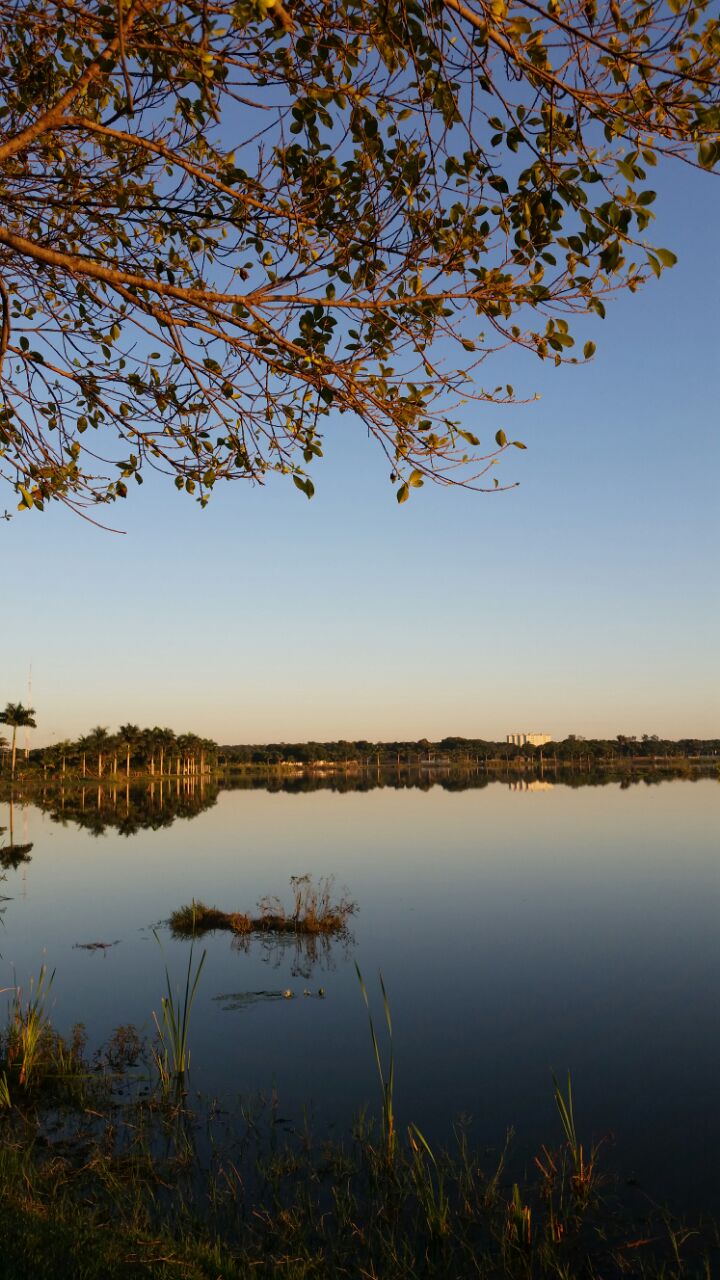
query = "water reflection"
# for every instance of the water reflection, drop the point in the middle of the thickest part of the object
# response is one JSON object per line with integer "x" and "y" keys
{"x": 302, "y": 953}
{"x": 448, "y": 778}
{"x": 12, "y": 855}
{"x": 127, "y": 809}
{"x": 518, "y": 928}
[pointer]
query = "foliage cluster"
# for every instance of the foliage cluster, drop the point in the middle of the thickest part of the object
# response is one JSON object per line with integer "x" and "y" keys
{"x": 221, "y": 224}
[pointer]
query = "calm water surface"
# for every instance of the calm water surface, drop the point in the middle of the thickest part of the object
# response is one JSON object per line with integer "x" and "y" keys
{"x": 518, "y": 931}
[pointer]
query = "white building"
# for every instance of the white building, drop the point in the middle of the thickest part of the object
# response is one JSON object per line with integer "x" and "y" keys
{"x": 529, "y": 739}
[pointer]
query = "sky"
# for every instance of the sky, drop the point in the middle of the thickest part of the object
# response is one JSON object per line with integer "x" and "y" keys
{"x": 583, "y": 601}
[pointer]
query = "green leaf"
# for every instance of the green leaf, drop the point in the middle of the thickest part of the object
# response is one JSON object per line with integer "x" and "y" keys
{"x": 500, "y": 438}
{"x": 518, "y": 444}
{"x": 403, "y": 493}
{"x": 667, "y": 258}
{"x": 415, "y": 479}
{"x": 654, "y": 264}
{"x": 470, "y": 437}
{"x": 708, "y": 154}
{"x": 589, "y": 350}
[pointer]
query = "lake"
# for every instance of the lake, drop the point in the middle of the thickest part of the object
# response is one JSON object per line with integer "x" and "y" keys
{"x": 520, "y": 930}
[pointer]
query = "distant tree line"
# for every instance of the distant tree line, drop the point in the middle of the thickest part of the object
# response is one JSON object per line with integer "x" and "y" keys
{"x": 156, "y": 752}
{"x": 462, "y": 751}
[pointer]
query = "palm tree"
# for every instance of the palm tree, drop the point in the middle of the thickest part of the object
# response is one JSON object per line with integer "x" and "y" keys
{"x": 98, "y": 740}
{"x": 183, "y": 743}
{"x": 129, "y": 735}
{"x": 62, "y": 751}
{"x": 83, "y": 744}
{"x": 165, "y": 740}
{"x": 19, "y": 717}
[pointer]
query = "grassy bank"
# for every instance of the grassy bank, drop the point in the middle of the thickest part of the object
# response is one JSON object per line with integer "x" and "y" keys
{"x": 107, "y": 1170}
{"x": 136, "y": 1198}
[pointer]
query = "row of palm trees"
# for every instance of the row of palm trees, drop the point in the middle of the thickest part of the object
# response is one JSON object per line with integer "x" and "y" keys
{"x": 132, "y": 749}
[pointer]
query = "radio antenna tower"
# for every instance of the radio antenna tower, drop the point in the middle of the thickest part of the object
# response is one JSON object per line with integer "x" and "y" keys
{"x": 27, "y": 730}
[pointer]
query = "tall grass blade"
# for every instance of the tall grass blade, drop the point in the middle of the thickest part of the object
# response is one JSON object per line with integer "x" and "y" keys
{"x": 583, "y": 1167}
{"x": 386, "y": 1075}
{"x": 172, "y": 1057}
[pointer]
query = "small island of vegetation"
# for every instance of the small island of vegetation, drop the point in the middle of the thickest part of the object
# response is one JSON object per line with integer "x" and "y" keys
{"x": 315, "y": 910}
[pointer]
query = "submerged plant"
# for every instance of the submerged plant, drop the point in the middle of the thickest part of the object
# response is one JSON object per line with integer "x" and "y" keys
{"x": 386, "y": 1074}
{"x": 172, "y": 1055}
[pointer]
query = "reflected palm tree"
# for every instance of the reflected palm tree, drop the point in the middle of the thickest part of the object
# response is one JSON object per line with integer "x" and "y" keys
{"x": 12, "y": 854}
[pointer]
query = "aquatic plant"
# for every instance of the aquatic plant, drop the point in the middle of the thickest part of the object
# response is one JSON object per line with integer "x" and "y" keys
{"x": 386, "y": 1071}
{"x": 584, "y": 1166}
{"x": 28, "y": 1026}
{"x": 429, "y": 1178}
{"x": 172, "y": 1053}
{"x": 34, "y": 1058}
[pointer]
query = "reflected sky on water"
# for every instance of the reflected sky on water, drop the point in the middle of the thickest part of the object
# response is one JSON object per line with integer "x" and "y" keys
{"x": 519, "y": 931}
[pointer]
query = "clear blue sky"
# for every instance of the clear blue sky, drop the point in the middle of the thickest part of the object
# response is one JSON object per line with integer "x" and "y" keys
{"x": 584, "y": 601}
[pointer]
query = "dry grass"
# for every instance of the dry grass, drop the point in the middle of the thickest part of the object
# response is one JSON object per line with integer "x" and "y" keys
{"x": 315, "y": 910}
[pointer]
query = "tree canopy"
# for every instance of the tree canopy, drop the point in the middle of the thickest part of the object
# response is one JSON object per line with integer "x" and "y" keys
{"x": 222, "y": 224}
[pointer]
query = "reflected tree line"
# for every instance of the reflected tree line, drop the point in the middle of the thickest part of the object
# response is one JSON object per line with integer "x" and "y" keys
{"x": 126, "y": 809}
{"x": 100, "y": 809}
{"x": 549, "y": 774}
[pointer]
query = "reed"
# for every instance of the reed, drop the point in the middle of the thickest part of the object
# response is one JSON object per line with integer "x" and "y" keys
{"x": 584, "y": 1166}
{"x": 386, "y": 1071}
{"x": 28, "y": 1030}
{"x": 172, "y": 1053}
{"x": 429, "y": 1179}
